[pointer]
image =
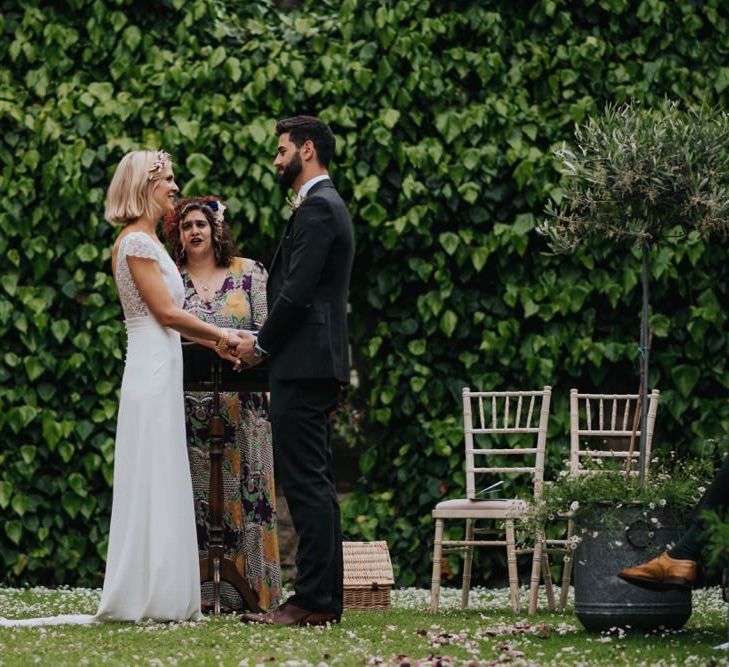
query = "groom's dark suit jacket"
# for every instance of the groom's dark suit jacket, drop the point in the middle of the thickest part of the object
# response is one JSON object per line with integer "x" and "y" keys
{"x": 306, "y": 329}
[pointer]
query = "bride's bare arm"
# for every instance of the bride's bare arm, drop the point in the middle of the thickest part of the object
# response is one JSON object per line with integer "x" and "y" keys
{"x": 225, "y": 354}
{"x": 151, "y": 286}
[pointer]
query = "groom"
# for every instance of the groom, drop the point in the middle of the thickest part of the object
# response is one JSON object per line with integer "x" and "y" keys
{"x": 305, "y": 336}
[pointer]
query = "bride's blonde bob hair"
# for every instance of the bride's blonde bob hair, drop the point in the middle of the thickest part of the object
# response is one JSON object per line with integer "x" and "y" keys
{"x": 129, "y": 196}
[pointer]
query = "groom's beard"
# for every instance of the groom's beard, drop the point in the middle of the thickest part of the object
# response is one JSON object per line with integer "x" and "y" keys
{"x": 290, "y": 172}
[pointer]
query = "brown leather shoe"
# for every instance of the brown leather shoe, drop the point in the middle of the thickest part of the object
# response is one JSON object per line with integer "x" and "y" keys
{"x": 289, "y": 614}
{"x": 663, "y": 573}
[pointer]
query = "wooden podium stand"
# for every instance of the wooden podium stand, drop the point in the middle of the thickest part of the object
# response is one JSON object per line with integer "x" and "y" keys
{"x": 205, "y": 371}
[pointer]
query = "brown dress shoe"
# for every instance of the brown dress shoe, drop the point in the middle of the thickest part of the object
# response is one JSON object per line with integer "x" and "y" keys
{"x": 289, "y": 614}
{"x": 663, "y": 573}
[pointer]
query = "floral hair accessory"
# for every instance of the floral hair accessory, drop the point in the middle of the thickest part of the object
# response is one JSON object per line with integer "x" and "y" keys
{"x": 158, "y": 165}
{"x": 217, "y": 207}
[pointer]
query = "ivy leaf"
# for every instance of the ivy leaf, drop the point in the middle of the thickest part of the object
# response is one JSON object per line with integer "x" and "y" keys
{"x": 374, "y": 214}
{"x": 390, "y": 117}
{"x": 232, "y": 68}
{"x": 101, "y": 91}
{"x": 660, "y": 325}
{"x": 449, "y": 241}
{"x": 14, "y": 531}
{"x": 258, "y": 133}
{"x": 88, "y": 506}
{"x": 9, "y": 282}
{"x": 27, "y": 452}
{"x": 417, "y": 384}
{"x": 33, "y": 368}
{"x": 217, "y": 57}
{"x": 469, "y": 191}
{"x": 11, "y": 359}
{"x": 448, "y": 322}
{"x": 685, "y": 378}
{"x": 84, "y": 428}
{"x": 20, "y": 417}
{"x": 78, "y": 484}
{"x": 312, "y": 87}
{"x": 65, "y": 449}
{"x": 6, "y": 490}
{"x": 87, "y": 252}
{"x": 20, "y": 564}
{"x": 19, "y": 504}
{"x": 132, "y": 36}
{"x": 417, "y": 347}
{"x": 188, "y": 128}
{"x": 367, "y": 461}
{"x": 60, "y": 329}
{"x": 6, "y": 310}
{"x": 524, "y": 223}
{"x": 387, "y": 394}
{"x": 479, "y": 256}
{"x": 52, "y": 432}
{"x": 199, "y": 165}
{"x": 71, "y": 503}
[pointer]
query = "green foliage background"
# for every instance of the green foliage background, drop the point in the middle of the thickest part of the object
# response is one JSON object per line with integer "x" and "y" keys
{"x": 447, "y": 114}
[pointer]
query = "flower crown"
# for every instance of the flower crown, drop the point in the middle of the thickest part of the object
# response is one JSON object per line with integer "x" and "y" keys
{"x": 158, "y": 165}
{"x": 217, "y": 207}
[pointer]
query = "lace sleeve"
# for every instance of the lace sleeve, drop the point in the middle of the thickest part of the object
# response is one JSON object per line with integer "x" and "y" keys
{"x": 259, "y": 305}
{"x": 138, "y": 244}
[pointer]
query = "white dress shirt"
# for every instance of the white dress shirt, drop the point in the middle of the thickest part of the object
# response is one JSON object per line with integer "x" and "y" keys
{"x": 304, "y": 190}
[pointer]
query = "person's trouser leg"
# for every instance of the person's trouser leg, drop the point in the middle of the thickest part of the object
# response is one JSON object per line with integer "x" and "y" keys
{"x": 300, "y": 424}
{"x": 716, "y": 497}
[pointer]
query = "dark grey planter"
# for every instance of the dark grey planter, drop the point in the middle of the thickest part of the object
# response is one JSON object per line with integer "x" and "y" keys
{"x": 614, "y": 539}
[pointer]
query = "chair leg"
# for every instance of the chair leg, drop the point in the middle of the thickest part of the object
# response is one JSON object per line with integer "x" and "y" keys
{"x": 547, "y": 577}
{"x": 536, "y": 570}
{"x": 437, "y": 555}
{"x": 511, "y": 564}
{"x": 467, "y": 564}
{"x": 567, "y": 568}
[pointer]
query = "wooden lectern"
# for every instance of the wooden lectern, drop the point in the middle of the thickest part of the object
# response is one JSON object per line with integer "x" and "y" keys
{"x": 205, "y": 371}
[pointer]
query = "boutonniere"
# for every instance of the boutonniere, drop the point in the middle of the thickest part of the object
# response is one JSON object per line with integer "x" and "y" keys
{"x": 294, "y": 203}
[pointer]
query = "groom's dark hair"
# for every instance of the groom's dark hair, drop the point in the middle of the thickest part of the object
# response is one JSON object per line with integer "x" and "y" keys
{"x": 303, "y": 128}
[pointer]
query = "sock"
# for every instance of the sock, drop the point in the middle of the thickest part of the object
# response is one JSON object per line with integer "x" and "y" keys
{"x": 687, "y": 547}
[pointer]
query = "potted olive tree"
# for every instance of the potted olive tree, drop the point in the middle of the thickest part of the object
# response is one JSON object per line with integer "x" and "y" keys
{"x": 635, "y": 175}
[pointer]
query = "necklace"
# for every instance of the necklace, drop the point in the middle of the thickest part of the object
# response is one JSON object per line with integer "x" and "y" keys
{"x": 205, "y": 286}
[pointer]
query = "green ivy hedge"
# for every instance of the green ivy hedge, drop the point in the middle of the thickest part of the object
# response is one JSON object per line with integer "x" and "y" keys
{"x": 447, "y": 115}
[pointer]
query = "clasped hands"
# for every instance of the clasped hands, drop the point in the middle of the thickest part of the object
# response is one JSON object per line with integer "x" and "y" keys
{"x": 240, "y": 350}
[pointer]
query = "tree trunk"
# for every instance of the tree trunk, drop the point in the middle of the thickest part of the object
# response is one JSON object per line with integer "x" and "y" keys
{"x": 644, "y": 361}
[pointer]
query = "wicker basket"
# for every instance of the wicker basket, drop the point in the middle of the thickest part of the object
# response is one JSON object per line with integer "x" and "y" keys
{"x": 367, "y": 575}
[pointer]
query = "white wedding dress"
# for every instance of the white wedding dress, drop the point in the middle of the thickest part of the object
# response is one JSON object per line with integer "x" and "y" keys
{"x": 152, "y": 569}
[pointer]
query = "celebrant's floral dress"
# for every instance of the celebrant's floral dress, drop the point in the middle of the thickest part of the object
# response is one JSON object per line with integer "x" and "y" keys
{"x": 249, "y": 512}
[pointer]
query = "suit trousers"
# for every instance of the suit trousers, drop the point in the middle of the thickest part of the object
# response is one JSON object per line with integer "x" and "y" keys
{"x": 688, "y": 546}
{"x": 717, "y": 495}
{"x": 300, "y": 412}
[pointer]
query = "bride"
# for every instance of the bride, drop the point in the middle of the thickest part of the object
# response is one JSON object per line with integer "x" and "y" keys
{"x": 152, "y": 564}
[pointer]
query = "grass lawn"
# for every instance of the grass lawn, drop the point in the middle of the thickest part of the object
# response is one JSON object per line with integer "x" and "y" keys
{"x": 488, "y": 634}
